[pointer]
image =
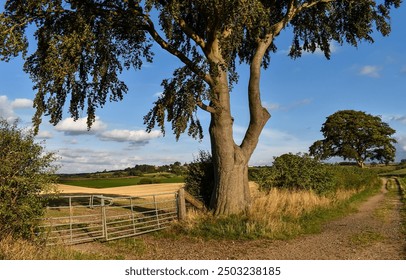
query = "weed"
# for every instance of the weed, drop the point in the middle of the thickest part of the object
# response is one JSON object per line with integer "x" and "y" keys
{"x": 366, "y": 238}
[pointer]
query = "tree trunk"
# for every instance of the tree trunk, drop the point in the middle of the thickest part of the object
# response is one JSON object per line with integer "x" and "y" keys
{"x": 361, "y": 163}
{"x": 231, "y": 193}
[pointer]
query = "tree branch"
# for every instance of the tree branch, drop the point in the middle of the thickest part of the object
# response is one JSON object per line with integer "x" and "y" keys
{"x": 150, "y": 27}
{"x": 310, "y": 4}
{"x": 191, "y": 34}
{"x": 205, "y": 107}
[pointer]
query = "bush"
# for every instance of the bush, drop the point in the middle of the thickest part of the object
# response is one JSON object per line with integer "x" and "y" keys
{"x": 145, "y": 181}
{"x": 300, "y": 172}
{"x": 199, "y": 180}
{"x": 353, "y": 177}
{"x": 26, "y": 174}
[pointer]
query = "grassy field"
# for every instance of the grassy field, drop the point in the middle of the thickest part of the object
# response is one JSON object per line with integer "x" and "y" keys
{"x": 120, "y": 182}
{"x": 399, "y": 172}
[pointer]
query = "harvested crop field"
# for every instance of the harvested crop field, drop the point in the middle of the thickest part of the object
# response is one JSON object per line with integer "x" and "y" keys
{"x": 136, "y": 190}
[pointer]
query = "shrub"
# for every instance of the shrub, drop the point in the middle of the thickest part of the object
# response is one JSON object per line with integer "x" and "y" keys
{"x": 199, "y": 180}
{"x": 352, "y": 177}
{"x": 26, "y": 173}
{"x": 145, "y": 181}
{"x": 300, "y": 172}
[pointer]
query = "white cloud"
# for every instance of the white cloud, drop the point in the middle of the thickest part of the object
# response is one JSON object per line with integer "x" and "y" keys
{"x": 401, "y": 119}
{"x": 88, "y": 160}
{"x": 44, "y": 135}
{"x": 275, "y": 106}
{"x": 370, "y": 71}
{"x": 132, "y": 136}
{"x": 71, "y": 127}
{"x": 6, "y": 111}
{"x": 21, "y": 103}
{"x": 401, "y": 147}
{"x": 271, "y": 106}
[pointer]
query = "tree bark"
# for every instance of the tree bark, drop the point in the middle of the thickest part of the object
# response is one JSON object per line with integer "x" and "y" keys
{"x": 231, "y": 194}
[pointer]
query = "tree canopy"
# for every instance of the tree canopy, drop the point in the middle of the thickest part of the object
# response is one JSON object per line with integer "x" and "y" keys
{"x": 84, "y": 45}
{"x": 357, "y": 136}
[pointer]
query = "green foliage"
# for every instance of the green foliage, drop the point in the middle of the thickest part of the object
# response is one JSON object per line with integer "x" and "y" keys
{"x": 300, "y": 172}
{"x": 352, "y": 177}
{"x": 146, "y": 180}
{"x": 199, "y": 180}
{"x": 355, "y": 135}
{"x": 26, "y": 172}
{"x": 83, "y": 46}
{"x": 263, "y": 176}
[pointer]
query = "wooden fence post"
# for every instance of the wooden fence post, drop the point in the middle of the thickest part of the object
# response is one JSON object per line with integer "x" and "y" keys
{"x": 181, "y": 204}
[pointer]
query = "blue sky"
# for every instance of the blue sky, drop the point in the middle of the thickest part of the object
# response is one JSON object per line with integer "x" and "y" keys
{"x": 299, "y": 94}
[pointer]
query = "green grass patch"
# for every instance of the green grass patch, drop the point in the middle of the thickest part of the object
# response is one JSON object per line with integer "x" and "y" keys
{"x": 366, "y": 238}
{"x": 121, "y": 182}
{"x": 399, "y": 172}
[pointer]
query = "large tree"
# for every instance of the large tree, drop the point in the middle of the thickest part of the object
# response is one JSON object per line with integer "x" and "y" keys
{"x": 83, "y": 45}
{"x": 357, "y": 136}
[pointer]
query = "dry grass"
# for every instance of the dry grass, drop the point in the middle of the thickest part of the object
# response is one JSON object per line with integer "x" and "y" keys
{"x": 20, "y": 249}
{"x": 278, "y": 211}
{"x": 279, "y": 202}
{"x": 275, "y": 214}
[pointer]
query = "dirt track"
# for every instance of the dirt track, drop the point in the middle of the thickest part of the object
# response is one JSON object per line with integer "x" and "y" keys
{"x": 373, "y": 233}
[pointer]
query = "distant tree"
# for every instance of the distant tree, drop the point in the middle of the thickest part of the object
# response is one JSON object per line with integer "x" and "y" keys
{"x": 26, "y": 174}
{"x": 84, "y": 45}
{"x": 357, "y": 136}
{"x": 176, "y": 168}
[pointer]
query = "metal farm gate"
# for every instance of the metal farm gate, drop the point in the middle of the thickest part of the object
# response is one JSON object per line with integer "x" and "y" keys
{"x": 84, "y": 218}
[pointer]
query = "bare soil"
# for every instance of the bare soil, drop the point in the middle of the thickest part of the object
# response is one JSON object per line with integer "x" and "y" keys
{"x": 374, "y": 232}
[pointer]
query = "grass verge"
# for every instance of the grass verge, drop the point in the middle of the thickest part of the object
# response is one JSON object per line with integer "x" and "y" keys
{"x": 20, "y": 249}
{"x": 281, "y": 214}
